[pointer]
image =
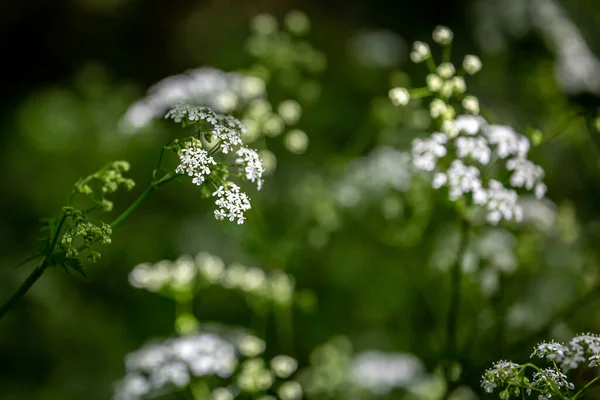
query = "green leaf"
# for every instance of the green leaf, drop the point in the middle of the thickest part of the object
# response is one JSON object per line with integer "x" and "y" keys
{"x": 68, "y": 263}
{"x": 76, "y": 266}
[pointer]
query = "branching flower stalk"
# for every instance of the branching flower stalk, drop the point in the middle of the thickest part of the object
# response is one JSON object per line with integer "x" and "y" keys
{"x": 74, "y": 232}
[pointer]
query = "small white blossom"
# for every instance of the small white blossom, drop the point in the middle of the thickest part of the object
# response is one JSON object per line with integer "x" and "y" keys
{"x": 442, "y": 35}
{"x": 381, "y": 372}
{"x": 253, "y": 166}
{"x": 420, "y": 52}
{"x": 290, "y": 390}
{"x": 474, "y": 147}
{"x": 232, "y": 203}
{"x": 399, "y": 96}
{"x": 526, "y": 174}
{"x": 446, "y": 70}
{"x": 426, "y": 152}
{"x": 508, "y": 141}
{"x": 434, "y": 82}
{"x": 469, "y": 124}
{"x": 195, "y": 162}
{"x": 460, "y": 86}
{"x": 502, "y": 204}
{"x": 471, "y": 104}
{"x": 472, "y": 64}
{"x": 284, "y": 366}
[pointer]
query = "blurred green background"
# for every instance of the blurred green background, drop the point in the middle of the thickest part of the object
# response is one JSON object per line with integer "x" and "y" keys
{"x": 376, "y": 269}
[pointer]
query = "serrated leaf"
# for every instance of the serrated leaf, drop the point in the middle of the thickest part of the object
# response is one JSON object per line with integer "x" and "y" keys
{"x": 76, "y": 266}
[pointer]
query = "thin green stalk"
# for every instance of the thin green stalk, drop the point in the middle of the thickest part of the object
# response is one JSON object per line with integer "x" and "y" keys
{"x": 35, "y": 274}
{"x": 452, "y": 322}
{"x": 39, "y": 270}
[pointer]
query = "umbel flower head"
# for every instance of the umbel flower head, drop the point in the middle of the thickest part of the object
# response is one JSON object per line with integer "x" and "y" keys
{"x": 466, "y": 155}
{"x": 213, "y": 155}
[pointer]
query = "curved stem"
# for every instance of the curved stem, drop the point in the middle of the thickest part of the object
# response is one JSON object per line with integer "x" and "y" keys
{"x": 35, "y": 274}
{"x": 39, "y": 270}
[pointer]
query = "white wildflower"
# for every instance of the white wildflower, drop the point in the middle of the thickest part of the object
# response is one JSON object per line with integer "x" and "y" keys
{"x": 284, "y": 366}
{"x": 508, "y": 141}
{"x": 232, "y": 203}
{"x": 290, "y": 390}
{"x": 426, "y": 152}
{"x": 472, "y": 64}
{"x": 502, "y": 204}
{"x": 442, "y": 35}
{"x": 420, "y": 52}
{"x": 469, "y": 124}
{"x": 381, "y": 372}
{"x": 252, "y": 164}
{"x": 434, "y": 82}
{"x": 471, "y": 104}
{"x": 195, "y": 162}
{"x": 525, "y": 173}
{"x": 460, "y": 86}
{"x": 474, "y": 147}
{"x": 399, "y": 96}
{"x": 446, "y": 70}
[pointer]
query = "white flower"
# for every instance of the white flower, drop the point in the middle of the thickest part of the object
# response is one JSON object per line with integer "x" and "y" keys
{"x": 399, "y": 96}
{"x": 381, "y": 372}
{"x": 474, "y": 147}
{"x": 446, "y": 70}
{"x": 460, "y": 86}
{"x": 526, "y": 174}
{"x": 426, "y": 152}
{"x": 434, "y": 82}
{"x": 231, "y": 203}
{"x": 462, "y": 179}
{"x": 420, "y": 52}
{"x": 502, "y": 204}
{"x": 442, "y": 35}
{"x": 438, "y": 108}
{"x": 290, "y": 390}
{"x": 508, "y": 141}
{"x": 284, "y": 366}
{"x": 195, "y": 162}
{"x": 253, "y": 166}
{"x": 296, "y": 141}
{"x": 472, "y": 64}
{"x": 471, "y": 104}
{"x": 469, "y": 124}
{"x": 173, "y": 361}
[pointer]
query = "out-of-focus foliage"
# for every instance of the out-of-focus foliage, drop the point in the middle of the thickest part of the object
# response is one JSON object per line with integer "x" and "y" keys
{"x": 344, "y": 260}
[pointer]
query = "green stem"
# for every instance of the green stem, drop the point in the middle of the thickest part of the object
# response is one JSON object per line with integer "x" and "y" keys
{"x": 35, "y": 274}
{"x": 452, "y": 322}
{"x": 39, "y": 270}
{"x": 151, "y": 188}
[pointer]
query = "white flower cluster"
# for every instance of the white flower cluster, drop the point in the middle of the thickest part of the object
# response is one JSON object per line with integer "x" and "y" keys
{"x": 252, "y": 165}
{"x": 583, "y": 348}
{"x": 458, "y": 162}
{"x": 195, "y": 162}
{"x": 502, "y": 373}
{"x": 186, "y": 273}
{"x": 200, "y": 164}
{"x": 232, "y": 203}
{"x": 160, "y": 367}
{"x": 372, "y": 176}
{"x": 222, "y": 91}
{"x": 381, "y": 372}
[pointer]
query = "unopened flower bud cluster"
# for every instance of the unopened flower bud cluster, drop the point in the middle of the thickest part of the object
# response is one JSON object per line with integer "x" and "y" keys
{"x": 198, "y": 158}
{"x": 186, "y": 274}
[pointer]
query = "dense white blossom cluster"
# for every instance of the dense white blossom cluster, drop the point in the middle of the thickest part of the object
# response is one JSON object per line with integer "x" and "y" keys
{"x": 381, "y": 372}
{"x": 198, "y": 162}
{"x": 159, "y": 367}
{"x": 221, "y": 91}
{"x": 187, "y": 274}
{"x": 231, "y": 356}
{"x": 477, "y": 149}
{"x": 372, "y": 176}
{"x": 582, "y": 350}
